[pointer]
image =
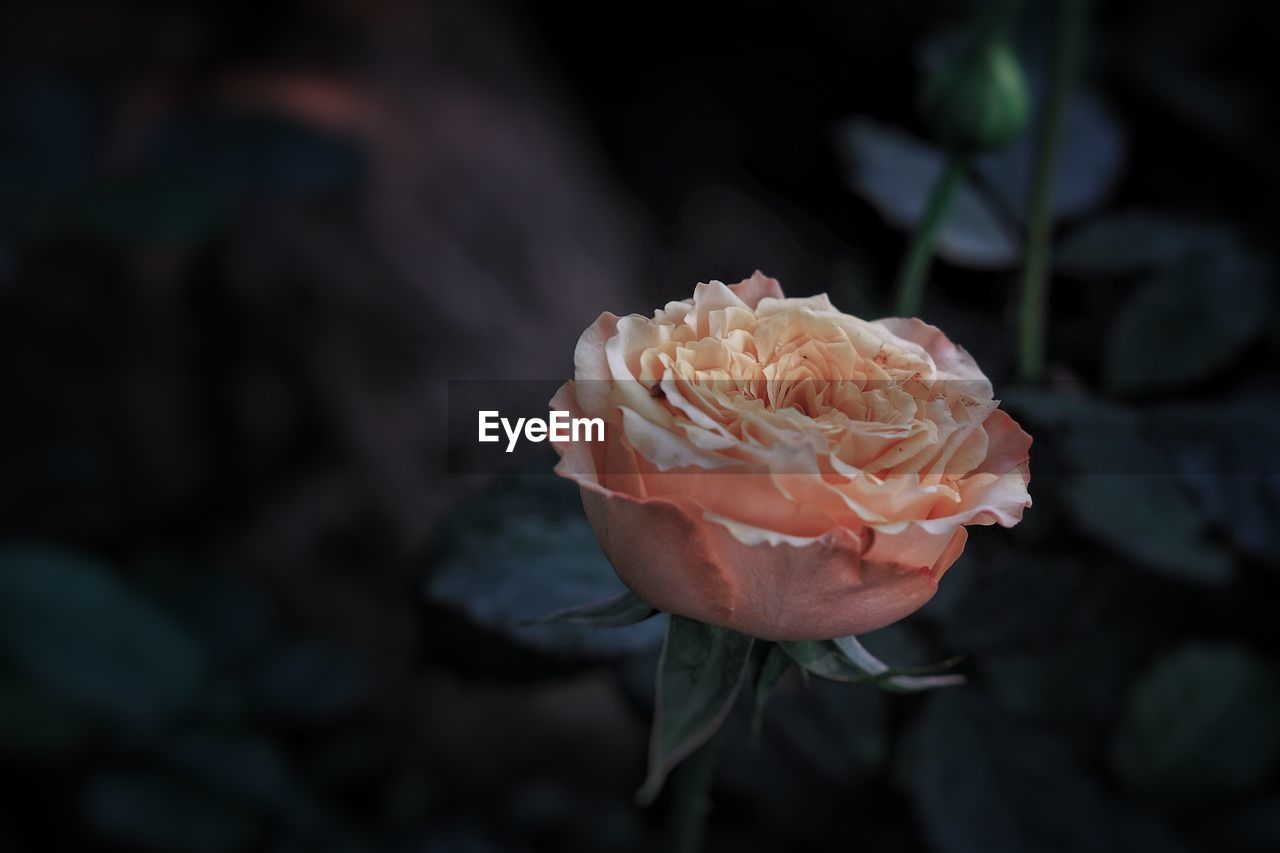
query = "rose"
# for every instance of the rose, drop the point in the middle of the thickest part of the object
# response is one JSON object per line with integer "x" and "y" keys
{"x": 775, "y": 466}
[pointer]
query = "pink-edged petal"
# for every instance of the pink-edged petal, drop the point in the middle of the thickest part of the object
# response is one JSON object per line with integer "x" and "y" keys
{"x": 949, "y": 358}
{"x": 758, "y": 286}
{"x": 591, "y": 366}
{"x": 1008, "y": 446}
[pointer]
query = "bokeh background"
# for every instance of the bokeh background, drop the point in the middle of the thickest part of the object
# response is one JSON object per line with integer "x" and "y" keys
{"x": 245, "y": 607}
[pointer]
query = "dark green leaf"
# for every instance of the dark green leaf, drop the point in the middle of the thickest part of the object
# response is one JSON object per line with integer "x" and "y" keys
{"x": 69, "y": 623}
{"x": 823, "y": 658}
{"x": 820, "y": 741}
{"x": 845, "y": 659}
{"x": 1091, "y": 158}
{"x": 1254, "y": 827}
{"x": 155, "y": 812}
{"x": 1204, "y": 721}
{"x": 902, "y": 679}
{"x": 229, "y": 609}
{"x": 240, "y": 764}
{"x": 700, "y": 673}
{"x": 981, "y": 780}
{"x": 1183, "y": 325}
{"x": 1226, "y": 456}
{"x": 773, "y": 665}
{"x": 895, "y": 172}
{"x": 312, "y": 680}
{"x": 1146, "y": 518}
{"x": 507, "y": 572}
{"x": 1135, "y": 241}
{"x": 33, "y": 720}
{"x": 1123, "y": 492}
{"x": 617, "y": 612}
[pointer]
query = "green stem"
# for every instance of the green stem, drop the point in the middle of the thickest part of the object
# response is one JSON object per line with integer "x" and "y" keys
{"x": 915, "y": 266}
{"x": 1035, "y": 279}
{"x": 691, "y": 798}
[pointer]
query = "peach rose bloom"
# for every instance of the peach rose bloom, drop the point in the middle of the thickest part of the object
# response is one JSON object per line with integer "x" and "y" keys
{"x": 775, "y": 466}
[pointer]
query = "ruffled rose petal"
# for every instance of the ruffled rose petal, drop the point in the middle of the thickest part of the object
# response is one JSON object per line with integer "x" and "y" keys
{"x": 758, "y": 286}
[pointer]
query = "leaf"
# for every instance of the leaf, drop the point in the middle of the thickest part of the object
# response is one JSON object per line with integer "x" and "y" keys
{"x": 846, "y": 659}
{"x": 823, "y": 658}
{"x": 821, "y": 740}
{"x": 982, "y": 780}
{"x": 773, "y": 665}
{"x": 510, "y": 561}
{"x": 1205, "y": 296}
{"x": 33, "y": 720}
{"x": 896, "y": 172}
{"x": 1205, "y": 721}
{"x": 1071, "y": 664}
{"x": 700, "y": 672}
{"x": 243, "y": 765}
{"x": 1254, "y": 826}
{"x": 616, "y": 612}
{"x": 1226, "y": 455}
{"x": 229, "y": 611}
{"x": 1147, "y": 519}
{"x": 1181, "y": 326}
{"x": 310, "y": 680}
{"x": 1091, "y": 157}
{"x": 905, "y": 680}
{"x": 153, "y": 811}
{"x": 1134, "y": 241}
{"x": 72, "y": 626}
{"x": 1122, "y": 491}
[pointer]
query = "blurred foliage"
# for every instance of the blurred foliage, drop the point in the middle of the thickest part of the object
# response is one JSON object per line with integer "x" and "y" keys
{"x": 231, "y": 621}
{"x": 521, "y": 553}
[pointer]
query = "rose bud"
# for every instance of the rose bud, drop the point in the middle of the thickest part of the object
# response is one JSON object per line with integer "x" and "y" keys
{"x": 977, "y": 101}
{"x": 783, "y": 469}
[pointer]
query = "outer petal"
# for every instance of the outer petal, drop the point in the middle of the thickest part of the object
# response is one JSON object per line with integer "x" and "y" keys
{"x": 949, "y": 358}
{"x": 758, "y": 286}
{"x": 591, "y": 366}
{"x": 609, "y": 465}
{"x": 681, "y": 561}
{"x": 1008, "y": 446}
{"x": 815, "y": 591}
{"x": 662, "y": 553}
{"x": 917, "y": 550}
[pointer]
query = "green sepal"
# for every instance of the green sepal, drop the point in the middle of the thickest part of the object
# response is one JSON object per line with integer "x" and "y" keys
{"x": 772, "y": 664}
{"x": 846, "y": 659}
{"x": 700, "y": 673}
{"x": 616, "y": 612}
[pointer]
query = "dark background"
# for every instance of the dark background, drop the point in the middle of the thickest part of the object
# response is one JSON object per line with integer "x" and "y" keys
{"x": 243, "y": 249}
